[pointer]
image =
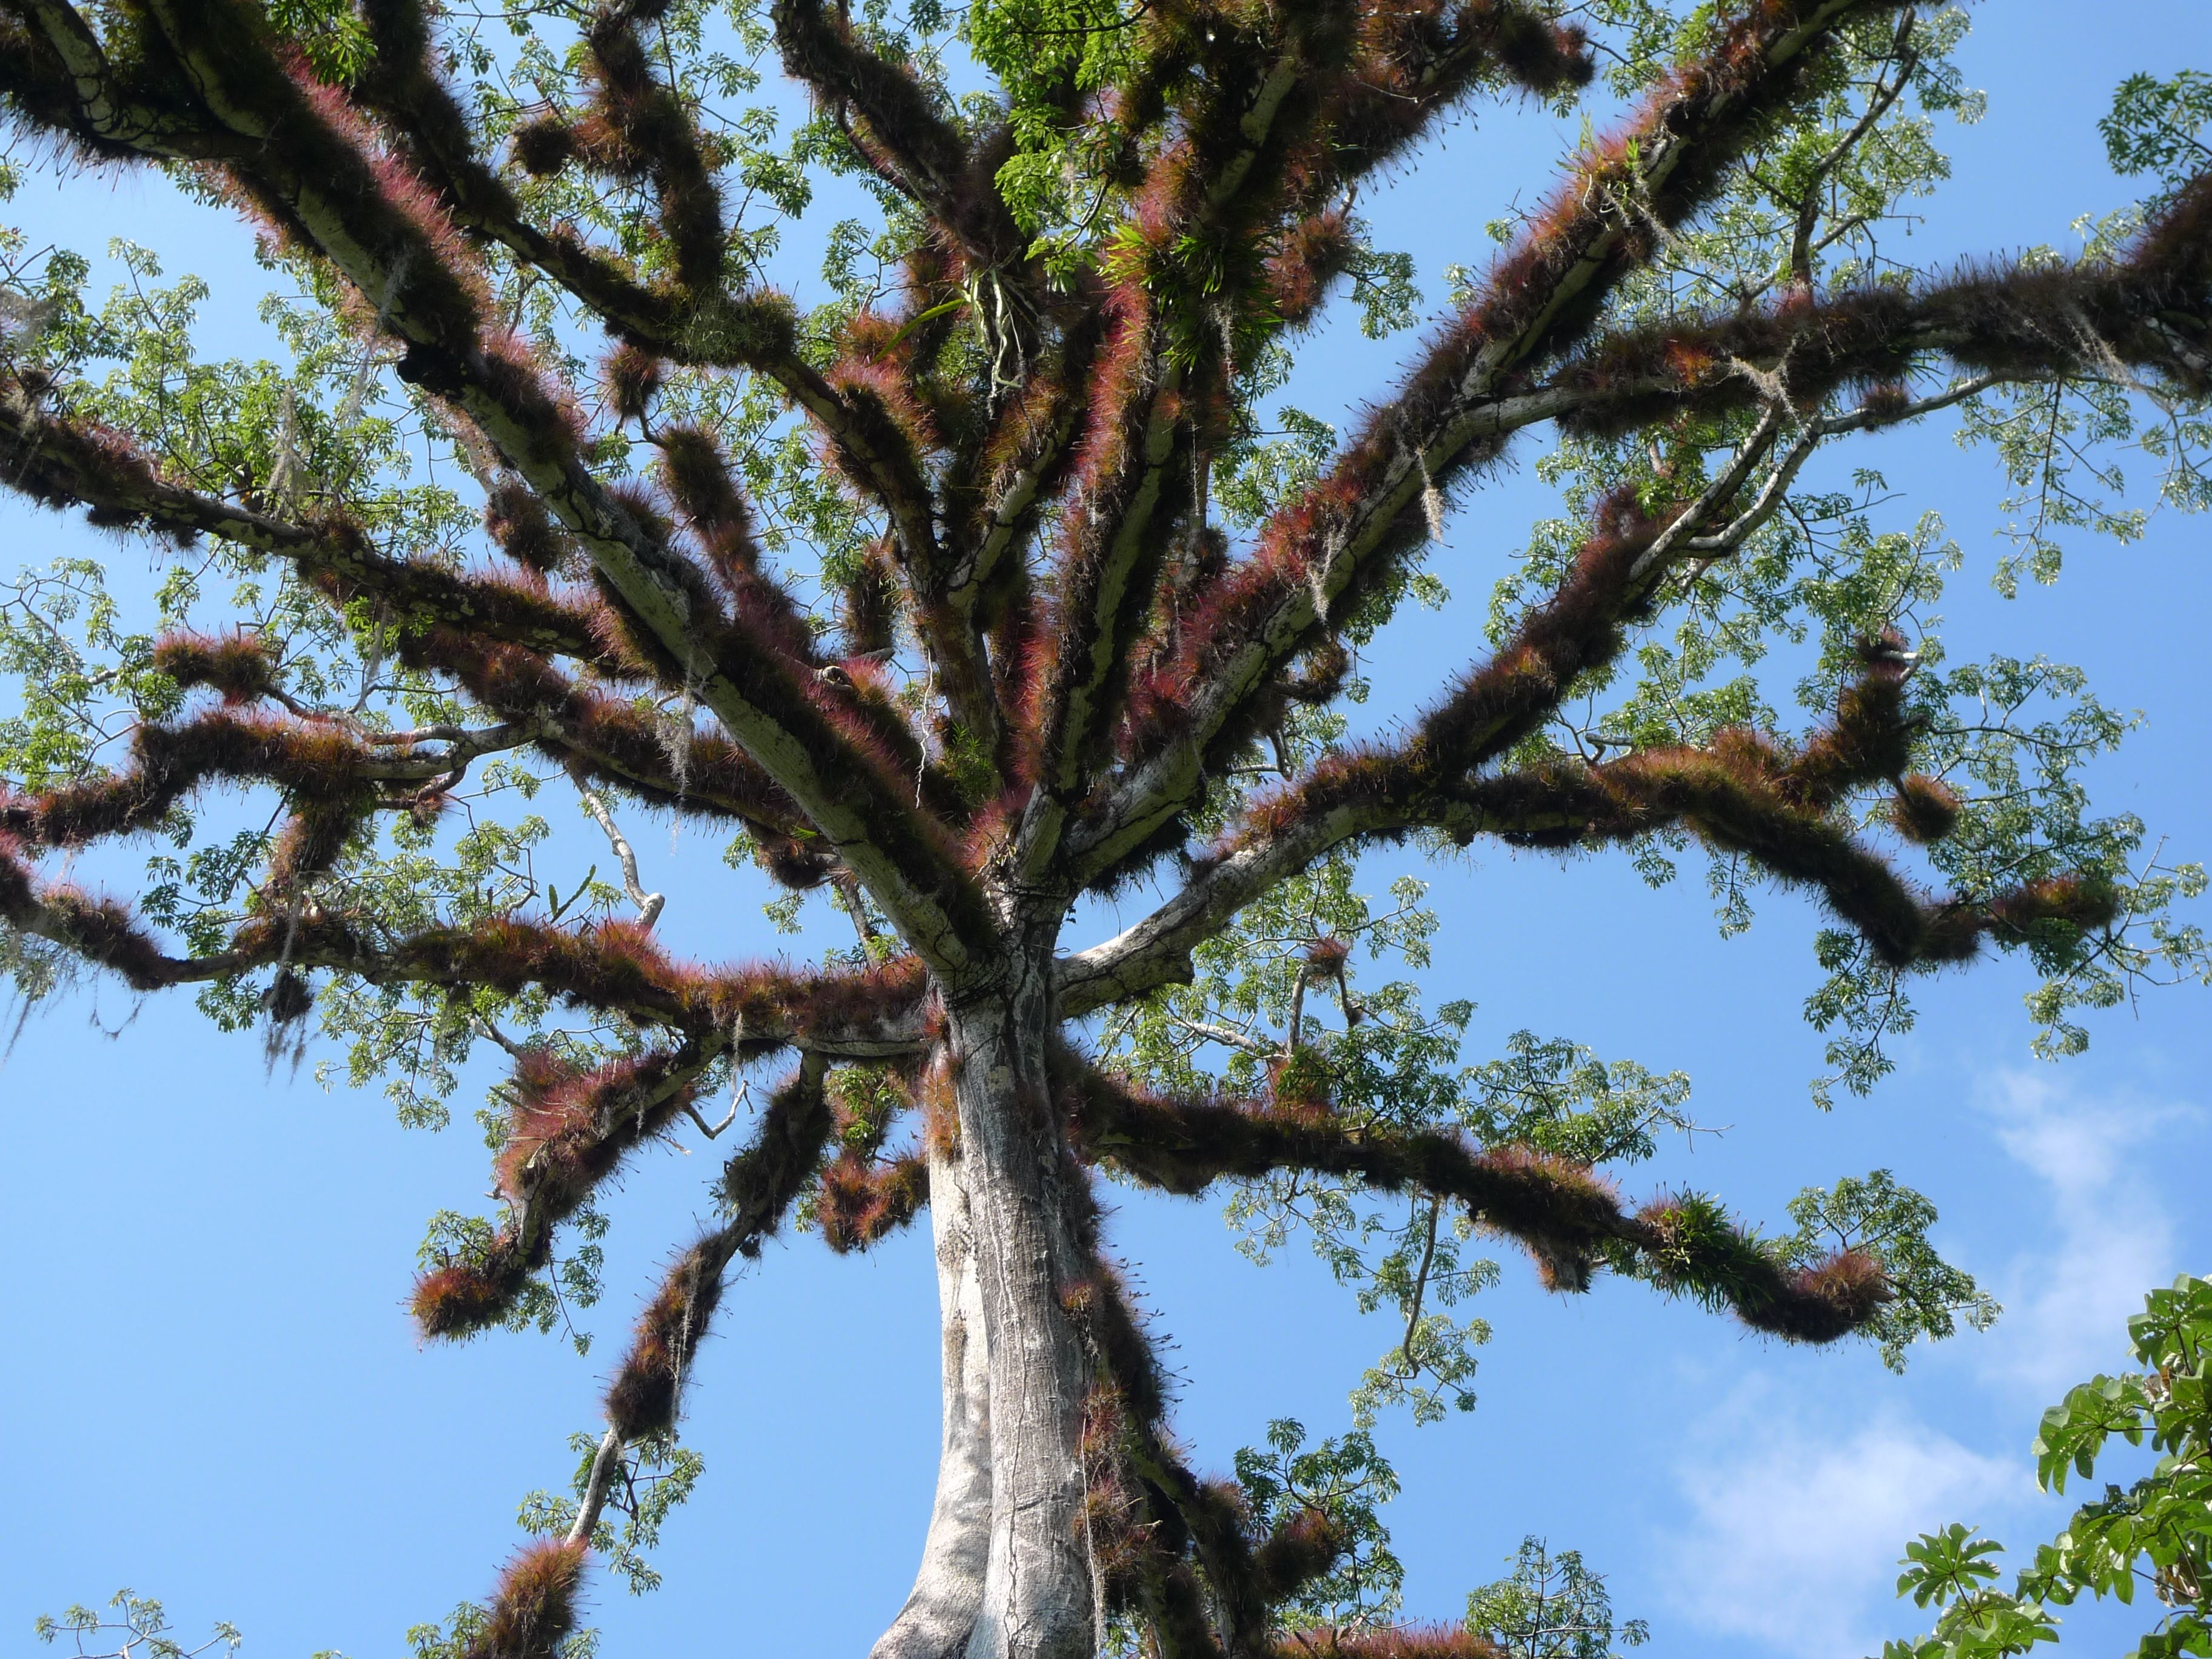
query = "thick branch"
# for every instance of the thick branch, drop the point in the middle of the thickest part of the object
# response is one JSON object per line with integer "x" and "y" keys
{"x": 639, "y": 125}
{"x": 64, "y": 462}
{"x": 903, "y": 135}
{"x": 665, "y": 762}
{"x": 1318, "y": 555}
{"x": 759, "y": 1186}
{"x": 569, "y": 1130}
{"x": 614, "y": 967}
{"x": 1566, "y": 1217}
{"x": 315, "y": 176}
{"x": 1742, "y": 795}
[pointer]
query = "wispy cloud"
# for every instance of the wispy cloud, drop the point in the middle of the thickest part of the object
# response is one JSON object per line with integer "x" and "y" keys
{"x": 2067, "y": 1300}
{"x": 1797, "y": 1512}
{"x": 1796, "y": 1529}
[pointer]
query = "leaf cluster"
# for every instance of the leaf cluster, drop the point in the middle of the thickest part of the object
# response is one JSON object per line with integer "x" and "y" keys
{"x": 2153, "y": 1535}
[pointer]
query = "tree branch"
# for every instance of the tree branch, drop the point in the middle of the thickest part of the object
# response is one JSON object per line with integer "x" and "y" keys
{"x": 1317, "y": 554}
{"x": 905, "y": 138}
{"x": 648, "y": 904}
{"x": 325, "y": 190}
{"x": 63, "y": 462}
{"x": 1571, "y": 1221}
{"x": 614, "y": 967}
{"x": 1742, "y": 794}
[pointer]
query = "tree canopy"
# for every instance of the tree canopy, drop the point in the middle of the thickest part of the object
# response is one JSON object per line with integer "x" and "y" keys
{"x": 994, "y": 577}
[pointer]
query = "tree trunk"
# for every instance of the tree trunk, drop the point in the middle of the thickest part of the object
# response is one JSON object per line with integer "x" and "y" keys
{"x": 1036, "y": 1598}
{"x": 939, "y": 1613}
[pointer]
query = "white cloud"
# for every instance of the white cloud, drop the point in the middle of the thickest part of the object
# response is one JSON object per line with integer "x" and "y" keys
{"x": 1796, "y": 1531}
{"x": 1794, "y": 1523}
{"x": 2066, "y": 1306}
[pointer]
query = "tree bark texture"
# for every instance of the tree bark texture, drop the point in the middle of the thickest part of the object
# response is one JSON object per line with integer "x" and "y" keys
{"x": 1006, "y": 1571}
{"x": 948, "y": 1590}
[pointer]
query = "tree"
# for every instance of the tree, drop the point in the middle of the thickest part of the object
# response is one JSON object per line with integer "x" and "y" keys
{"x": 1552, "y": 1607}
{"x": 1078, "y": 620}
{"x": 2155, "y": 1535}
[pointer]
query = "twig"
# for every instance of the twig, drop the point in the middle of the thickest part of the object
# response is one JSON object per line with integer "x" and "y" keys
{"x": 1420, "y": 1288}
{"x": 1885, "y": 94}
{"x": 648, "y": 904}
{"x": 847, "y": 887}
{"x": 1293, "y": 1029}
{"x": 519, "y": 1051}
{"x": 728, "y": 1118}
{"x": 1228, "y": 1036}
{"x": 1747, "y": 455}
{"x": 595, "y": 1488}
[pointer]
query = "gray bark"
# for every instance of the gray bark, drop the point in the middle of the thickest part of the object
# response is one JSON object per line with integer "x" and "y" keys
{"x": 1036, "y": 1600}
{"x": 940, "y": 1612}
{"x": 1005, "y": 1570}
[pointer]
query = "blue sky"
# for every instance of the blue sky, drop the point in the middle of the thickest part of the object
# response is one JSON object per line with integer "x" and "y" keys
{"x": 215, "y": 1396}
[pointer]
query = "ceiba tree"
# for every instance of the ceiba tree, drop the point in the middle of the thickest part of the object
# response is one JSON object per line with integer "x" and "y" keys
{"x": 1077, "y": 622}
